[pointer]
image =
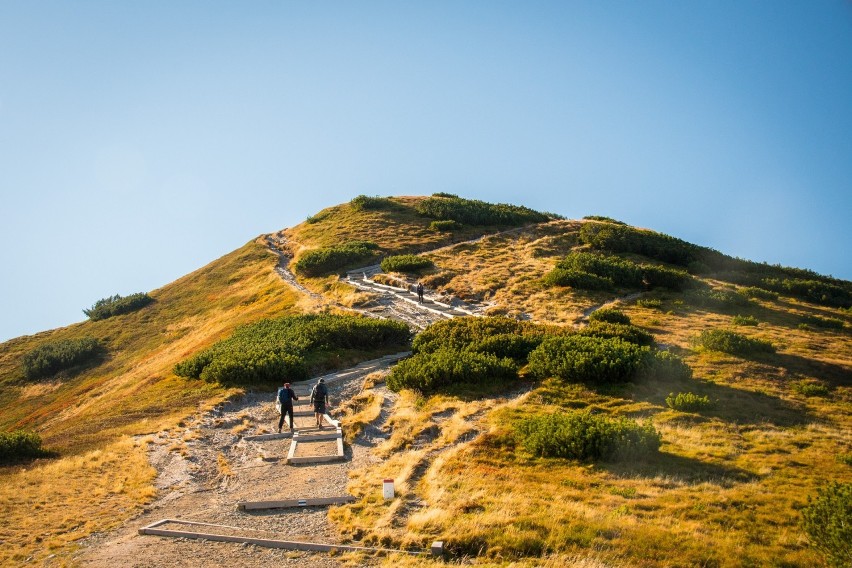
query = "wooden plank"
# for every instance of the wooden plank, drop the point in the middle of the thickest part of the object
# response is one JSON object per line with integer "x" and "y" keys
{"x": 266, "y": 542}
{"x": 289, "y": 503}
{"x": 340, "y": 447}
{"x": 314, "y": 459}
{"x": 306, "y": 437}
{"x": 292, "y": 451}
{"x": 265, "y": 437}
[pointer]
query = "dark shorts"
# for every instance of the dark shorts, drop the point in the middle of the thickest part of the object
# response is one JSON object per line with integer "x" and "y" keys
{"x": 319, "y": 407}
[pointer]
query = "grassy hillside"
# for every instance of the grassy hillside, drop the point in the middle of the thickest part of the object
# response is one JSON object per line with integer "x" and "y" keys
{"x": 725, "y": 489}
{"x": 101, "y": 474}
{"x": 728, "y": 483}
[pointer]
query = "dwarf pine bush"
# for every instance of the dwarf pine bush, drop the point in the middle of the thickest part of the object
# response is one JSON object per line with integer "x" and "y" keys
{"x": 19, "y": 445}
{"x": 827, "y": 520}
{"x": 585, "y": 436}
{"x": 50, "y": 358}
{"x": 318, "y": 262}
{"x": 579, "y": 358}
{"x": 269, "y": 350}
{"x": 610, "y": 315}
{"x": 744, "y": 320}
{"x": 629, "y": 333}
{"x": 407, "y": 263}
{"x": 427, "y": 372}
{"x": 474, "y": 212}
{"x": 442, "y": 226}
{"x": 732, "y": 342}
{"x": 117, "y": 305}
{"x": 688, "y": 402}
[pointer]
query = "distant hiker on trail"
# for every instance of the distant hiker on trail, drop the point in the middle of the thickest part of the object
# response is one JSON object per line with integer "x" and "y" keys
{"x": 420, "y": 291}
{"x": 284, "y": 402}
{"x": 319, "y": 398}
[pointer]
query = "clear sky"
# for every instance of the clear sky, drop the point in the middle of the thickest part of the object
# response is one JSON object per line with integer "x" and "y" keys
{"x": 141, "y": 140}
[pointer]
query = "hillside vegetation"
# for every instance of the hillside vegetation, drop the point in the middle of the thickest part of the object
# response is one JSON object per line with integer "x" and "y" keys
{"x": 685, "y": 424}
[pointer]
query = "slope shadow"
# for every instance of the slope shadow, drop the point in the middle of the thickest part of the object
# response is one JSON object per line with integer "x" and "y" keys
{"x": 679, "y": 468}
{"x": 733, "y": 405}
{"x": 832, "y": 373}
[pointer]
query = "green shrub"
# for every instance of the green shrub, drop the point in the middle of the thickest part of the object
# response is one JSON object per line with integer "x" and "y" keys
{"x": 744, "y": 320}
{"x": 621, "y": 272}
{"x": 269, "y": 350}
{"x": 603, "y": 219}
{"x": 585, "y": 436}
{"x": 474, "y": 212}
{"x": 444, "y": 226}
{"x": 513, "y": 346}
{"x": 817, "y": 291}
{"x": 20, "y": 445}
{"x": 732, "y": 342}
{"x": 117, "y": 305}
{"x": 427, "y": 372}
{"x": 445, "y": 194}
{"x": 827, "y": 520}
{"x": 688, "y": 402}
{"x": 409, "y": 263}
{"x": 624, "y": 239}
{"x": 662, "y": 277}
{"x": 718, "y": 300}
{"x": 629, "y": 333}
{"x": 759, "y": 293}
{"x": 665, "y": 365}
{"x": 650, "y": 303}
{"x": 811, "y": 388}
{"x": 610, "y": 315}
{"x": 50, "y": 358}
{"x": 578, "y": 358}
{"x": 844, "y": 458}
{"x": 577, "y": 279}
{"x": 462, "y": 333}
{"x": 322, "y": 261}
{"x": 826, "y": 323}
{"x": 363, "y": 203}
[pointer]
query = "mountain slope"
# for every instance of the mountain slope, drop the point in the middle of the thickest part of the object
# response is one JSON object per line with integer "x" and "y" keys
{"x": 722, "y": 479}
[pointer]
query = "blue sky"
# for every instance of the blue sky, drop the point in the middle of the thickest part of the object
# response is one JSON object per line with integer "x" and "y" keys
{"x": 141, "y": 140}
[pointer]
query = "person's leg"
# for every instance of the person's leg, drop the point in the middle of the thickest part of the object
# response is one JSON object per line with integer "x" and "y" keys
{"x": 281, "y": 420}
{"x": 290, "y": 415}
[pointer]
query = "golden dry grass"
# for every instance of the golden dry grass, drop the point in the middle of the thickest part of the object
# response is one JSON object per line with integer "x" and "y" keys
{"x": 133, "y": 392}
{"x": 48, "y": 506}
{"x": 725, "y": 490}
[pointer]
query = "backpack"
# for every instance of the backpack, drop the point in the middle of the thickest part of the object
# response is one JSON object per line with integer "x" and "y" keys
{"x": 319, "y": 392}
{"x": 283, "y": 396}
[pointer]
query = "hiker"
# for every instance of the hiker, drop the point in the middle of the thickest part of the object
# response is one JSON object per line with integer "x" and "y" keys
{"x": 319, "y": 398}
{"x": 284, "y": 402}
{"x": 420, "y": 291}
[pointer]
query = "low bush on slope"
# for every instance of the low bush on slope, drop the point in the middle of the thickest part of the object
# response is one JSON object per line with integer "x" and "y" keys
{"x": 592, "y": 271}
{"x": 51, "y": 358}
{"x": 408, "y": 263}
{"x": 274, "y": 349}
{"x": 117, "y": 305}
{"x": 321, "y": 261}
{"x": 799, "y": 283}
{"x": 586, "y": 436}
{"x": 479, "y": 350}
{"x": 475, "y": 212}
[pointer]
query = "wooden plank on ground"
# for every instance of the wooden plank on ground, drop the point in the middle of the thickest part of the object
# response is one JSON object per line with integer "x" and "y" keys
{"x": 314, "y": 459}
{"x": 265, "y": 437}
{"x": 289, "y": 503}
{"x": 209, "y": 534}
{"x": 315, "y": 437}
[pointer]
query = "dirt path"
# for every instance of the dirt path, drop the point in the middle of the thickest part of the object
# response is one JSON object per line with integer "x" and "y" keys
{"x": 207, "y": 467}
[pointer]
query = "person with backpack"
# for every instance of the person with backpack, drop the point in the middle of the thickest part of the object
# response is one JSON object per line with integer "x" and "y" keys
{"x": 284, "y": 402}
{"x": 319, "y": 398}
